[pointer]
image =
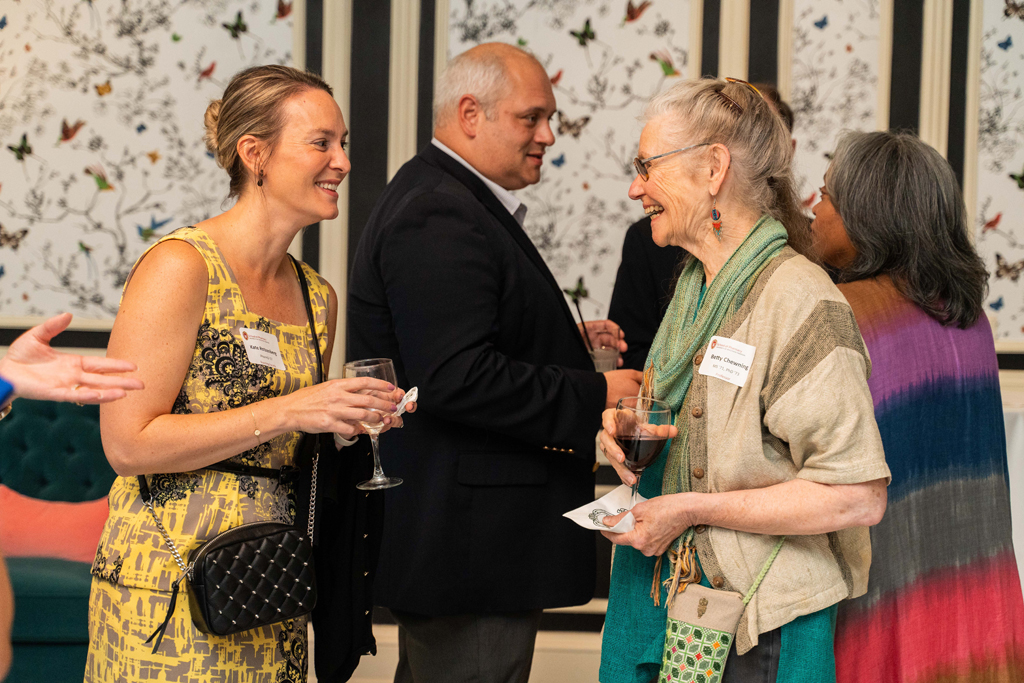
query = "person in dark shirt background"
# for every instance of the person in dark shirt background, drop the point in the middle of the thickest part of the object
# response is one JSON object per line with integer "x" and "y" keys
{"x": 647, "y": 274}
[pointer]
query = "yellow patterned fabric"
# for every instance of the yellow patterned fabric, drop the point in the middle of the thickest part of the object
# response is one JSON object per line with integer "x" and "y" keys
{"x": 133, "y": 569}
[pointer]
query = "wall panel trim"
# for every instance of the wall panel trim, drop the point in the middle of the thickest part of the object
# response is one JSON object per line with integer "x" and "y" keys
{"x": 936, "y": 58}
{"x": 734, "y": 38}
{"x": 784, "y": 61}
{"x": 443, "y": 11}
{"x": 403, "y": 80}
{"x": 337, "y": 68}
{"x": 971, "y": 116}
{"x": 885, "y": 10}
{"x": 696, "y": 39}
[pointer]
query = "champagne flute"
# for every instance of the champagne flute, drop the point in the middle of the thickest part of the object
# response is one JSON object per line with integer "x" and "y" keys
{"x": 378, "y": 368}
{"x": 641, "y": 430}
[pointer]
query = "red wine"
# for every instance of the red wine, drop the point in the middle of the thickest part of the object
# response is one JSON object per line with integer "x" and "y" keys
{"x": 640, "y": 452}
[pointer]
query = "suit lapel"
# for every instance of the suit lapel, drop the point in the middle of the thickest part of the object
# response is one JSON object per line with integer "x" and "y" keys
{"x": 437, "y": 157}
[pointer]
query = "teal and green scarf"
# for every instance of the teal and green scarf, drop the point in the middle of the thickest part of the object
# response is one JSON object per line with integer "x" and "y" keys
{"x": 634, "y": 628}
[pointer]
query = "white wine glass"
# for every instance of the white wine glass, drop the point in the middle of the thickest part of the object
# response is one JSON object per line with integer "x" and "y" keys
{"x": 383, "y": 369}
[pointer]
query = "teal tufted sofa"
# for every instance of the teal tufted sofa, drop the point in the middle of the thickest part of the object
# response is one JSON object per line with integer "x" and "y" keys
{"x": 51, "y": 451}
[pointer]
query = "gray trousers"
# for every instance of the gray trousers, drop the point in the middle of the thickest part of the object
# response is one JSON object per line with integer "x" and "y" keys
{"x": 759, "y": 665}
{"x": 469, "y": 648}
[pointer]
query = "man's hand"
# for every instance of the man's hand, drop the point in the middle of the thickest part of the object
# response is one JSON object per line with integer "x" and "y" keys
{"x": 604, "y": 333}
{"x": 622, "y": 383}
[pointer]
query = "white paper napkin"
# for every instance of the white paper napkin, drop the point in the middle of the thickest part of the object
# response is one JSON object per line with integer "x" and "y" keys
{"x": 590, "y": 515}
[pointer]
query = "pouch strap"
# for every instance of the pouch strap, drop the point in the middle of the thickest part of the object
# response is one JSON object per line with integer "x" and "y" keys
{"x": 764, "y": 570}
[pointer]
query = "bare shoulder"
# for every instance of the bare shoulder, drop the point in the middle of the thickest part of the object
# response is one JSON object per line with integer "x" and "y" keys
{"x": 169, "y": 283}
{"x": 173, "y": 264}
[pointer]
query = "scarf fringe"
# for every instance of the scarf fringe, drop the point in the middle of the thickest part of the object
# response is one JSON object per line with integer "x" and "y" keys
{"x": 685, "y": 571}
{"x": 655, "y": 586}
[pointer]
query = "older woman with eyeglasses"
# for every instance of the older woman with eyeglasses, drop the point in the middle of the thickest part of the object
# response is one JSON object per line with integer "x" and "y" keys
{"x": 775, "y": 469}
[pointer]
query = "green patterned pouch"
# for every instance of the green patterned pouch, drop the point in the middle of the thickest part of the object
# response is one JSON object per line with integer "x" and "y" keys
{"x": 700, "y": 629}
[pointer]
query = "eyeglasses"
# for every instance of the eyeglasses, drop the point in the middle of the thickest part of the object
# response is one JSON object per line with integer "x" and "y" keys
{"x": 641, "y": 164}
{"x": 730, "y": 101}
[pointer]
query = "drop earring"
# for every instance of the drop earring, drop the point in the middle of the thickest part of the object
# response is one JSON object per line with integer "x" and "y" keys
{"x": 716, "y": 219}
{"x": 259, "y": 183}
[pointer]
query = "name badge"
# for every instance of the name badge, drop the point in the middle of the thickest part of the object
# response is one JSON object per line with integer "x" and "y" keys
{"x": 727, "y": 359}
{"x": 262, "y": 348}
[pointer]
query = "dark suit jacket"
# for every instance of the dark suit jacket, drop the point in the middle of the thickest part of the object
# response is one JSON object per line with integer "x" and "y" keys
{"x": 643, "y": 289}
{"x": 447, "y": 284}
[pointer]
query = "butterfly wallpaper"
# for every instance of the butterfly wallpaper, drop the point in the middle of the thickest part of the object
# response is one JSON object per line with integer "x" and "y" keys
{"x": 834, "y": 81}
{"x": 606, "y": 58}
{"x": 1000, "y": 230}
{"x": 101, "y": 127}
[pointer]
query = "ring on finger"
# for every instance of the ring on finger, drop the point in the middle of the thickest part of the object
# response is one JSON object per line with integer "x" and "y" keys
{"x": 76, "y": 388}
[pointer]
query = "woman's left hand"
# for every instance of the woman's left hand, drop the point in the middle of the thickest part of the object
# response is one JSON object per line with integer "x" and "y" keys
{"x": 659, "y": 521}
{"x": 395, "y": 421}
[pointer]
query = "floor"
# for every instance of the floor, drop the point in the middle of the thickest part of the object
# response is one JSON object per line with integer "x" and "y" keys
{"x": 560, "y": 657}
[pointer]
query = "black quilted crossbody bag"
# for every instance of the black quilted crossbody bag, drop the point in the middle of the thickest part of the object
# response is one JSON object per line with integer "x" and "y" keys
{"x": 255, "y": 574}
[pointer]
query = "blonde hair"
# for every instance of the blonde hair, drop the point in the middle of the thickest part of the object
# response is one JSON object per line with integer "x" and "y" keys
{"x": 732, "y": 114}
{"x": 252, "y": 105}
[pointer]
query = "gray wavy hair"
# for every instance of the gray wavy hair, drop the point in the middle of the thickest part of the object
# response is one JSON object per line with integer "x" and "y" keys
{"x": 903, "y": 211}
{"x": 732, "y": 114}
{"x": 482, "y": 74}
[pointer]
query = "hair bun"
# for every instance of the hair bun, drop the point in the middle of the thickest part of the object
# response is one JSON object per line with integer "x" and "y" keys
{"x": 210, "y": 121}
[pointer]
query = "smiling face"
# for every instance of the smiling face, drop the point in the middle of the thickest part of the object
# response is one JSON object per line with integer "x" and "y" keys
{"x": 513, "y": 143}
{"x": 308, "y": 163}
{"x": 829, "y": 238}
{"x": 671, "y": 195}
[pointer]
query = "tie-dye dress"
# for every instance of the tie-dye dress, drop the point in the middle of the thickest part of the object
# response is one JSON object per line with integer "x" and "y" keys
{"x": 133, "y": 569}
{"x": 944, "y": 595}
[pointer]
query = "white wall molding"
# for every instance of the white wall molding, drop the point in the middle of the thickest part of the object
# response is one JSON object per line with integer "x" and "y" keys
{"x": 696, "y": 48}
{"x": 971, "y": 120}
{"x": 884, "y": 63}
{"x": 299, "y": 62}
{"x": 734, "y": 38}
{"x": 784, "y": 77}
{"x": 403, "y": 81}
{"x": 299, "y": 34}
{"x": 337, "y": 69}
{"x": 442, "y": 13}
{"x": 936, "y": 57}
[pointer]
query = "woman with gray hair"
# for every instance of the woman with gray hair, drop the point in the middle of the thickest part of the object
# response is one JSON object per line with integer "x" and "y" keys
{"x": 893, "y": 225}
{"x": 757, "y": 510}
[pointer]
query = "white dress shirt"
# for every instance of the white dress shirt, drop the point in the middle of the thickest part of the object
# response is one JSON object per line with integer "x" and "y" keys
{"x": 507, "y": 199}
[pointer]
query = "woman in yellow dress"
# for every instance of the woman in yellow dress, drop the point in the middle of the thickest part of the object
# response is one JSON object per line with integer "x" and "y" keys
{"x": 188, "y": 304}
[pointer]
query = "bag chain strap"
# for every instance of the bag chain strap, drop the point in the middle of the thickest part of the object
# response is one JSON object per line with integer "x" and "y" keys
{"x": 312, "y": 495}
{"x": 167, "y": 537}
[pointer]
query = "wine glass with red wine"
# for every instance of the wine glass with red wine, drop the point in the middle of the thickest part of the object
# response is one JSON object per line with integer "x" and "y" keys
{"x": 641, "y": 426}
